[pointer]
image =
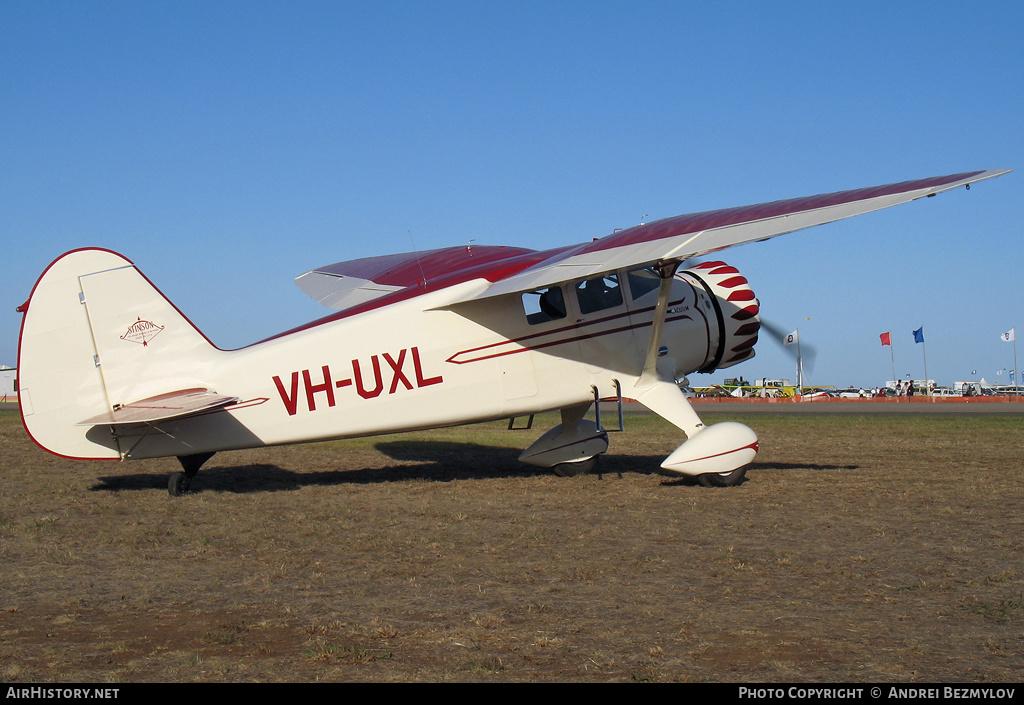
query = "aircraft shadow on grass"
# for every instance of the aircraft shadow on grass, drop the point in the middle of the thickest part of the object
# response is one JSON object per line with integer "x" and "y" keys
{"x": 436, "y": 461}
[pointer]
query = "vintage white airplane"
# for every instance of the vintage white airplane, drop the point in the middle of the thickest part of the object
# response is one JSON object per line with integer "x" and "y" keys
{"x": 110, "y": 369}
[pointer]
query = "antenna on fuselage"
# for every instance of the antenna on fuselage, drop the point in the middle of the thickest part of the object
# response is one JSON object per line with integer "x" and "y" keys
{"x": 423, "y": 277}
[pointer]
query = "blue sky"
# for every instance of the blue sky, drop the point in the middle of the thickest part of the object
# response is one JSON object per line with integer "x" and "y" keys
{"x": 227, "y": 147}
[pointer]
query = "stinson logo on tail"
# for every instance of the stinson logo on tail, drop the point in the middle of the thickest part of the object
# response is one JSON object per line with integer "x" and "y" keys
{"x": 142, "y": 332}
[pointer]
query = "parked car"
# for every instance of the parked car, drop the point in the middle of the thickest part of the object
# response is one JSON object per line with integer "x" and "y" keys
{"x": 850, "y": 393}
{"x": 820, "y": 394}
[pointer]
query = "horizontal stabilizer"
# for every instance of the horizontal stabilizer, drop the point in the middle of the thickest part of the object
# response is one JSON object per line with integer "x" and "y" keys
{"x": 340, "y": 292}
{"x": 161, "y": 408}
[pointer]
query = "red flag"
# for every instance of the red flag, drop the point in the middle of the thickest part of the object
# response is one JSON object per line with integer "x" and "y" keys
{"x": 885, "y": 339}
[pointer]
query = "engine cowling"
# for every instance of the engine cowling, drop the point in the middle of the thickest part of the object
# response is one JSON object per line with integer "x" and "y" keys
{"x": 736, "y": 309}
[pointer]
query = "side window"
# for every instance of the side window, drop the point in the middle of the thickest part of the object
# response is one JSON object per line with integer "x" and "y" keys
{"x": 544, "y": 305}
{"x": 642, "y": 282}
{"x": 599, "y": 293}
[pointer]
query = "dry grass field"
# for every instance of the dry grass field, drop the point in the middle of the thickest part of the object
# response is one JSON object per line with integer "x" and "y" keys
{"x": 861, "y": 548}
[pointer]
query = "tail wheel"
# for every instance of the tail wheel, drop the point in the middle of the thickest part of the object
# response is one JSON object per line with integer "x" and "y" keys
{"x": 724, "y": 479}
{"x": 178, "y": 484}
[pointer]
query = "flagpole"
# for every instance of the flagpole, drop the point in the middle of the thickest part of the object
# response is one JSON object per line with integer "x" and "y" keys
{"x": 919, "y": 338}
{"x": 924, "y": 353}
{"x": 1010, "y": 336}
{"x": 800, "y": 364}
{"x": 794, "y": 337}
{"x": 893, "y": 356}
{"x": 886, "y": 339}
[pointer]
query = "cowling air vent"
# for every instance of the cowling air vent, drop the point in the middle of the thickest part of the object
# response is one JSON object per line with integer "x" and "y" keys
{"x": 737, "y": 309}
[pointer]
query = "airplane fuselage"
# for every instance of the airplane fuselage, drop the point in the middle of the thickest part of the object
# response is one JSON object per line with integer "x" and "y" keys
{"x": 420, "y": 364}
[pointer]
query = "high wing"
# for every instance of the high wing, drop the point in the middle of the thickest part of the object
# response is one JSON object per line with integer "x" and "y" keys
{"x": 686, "y": 236}
{"x": 348, "y": 284}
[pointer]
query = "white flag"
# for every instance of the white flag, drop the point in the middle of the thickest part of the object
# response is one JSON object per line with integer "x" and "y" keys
{"x": 1009, "y": 336}
{"x": 793, "y": 338}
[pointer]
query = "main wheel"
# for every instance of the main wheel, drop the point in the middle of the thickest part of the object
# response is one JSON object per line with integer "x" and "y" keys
{"x": 178, "y": 484}
{"x": 583, "y": 467}
{"x": 723, "y": 479}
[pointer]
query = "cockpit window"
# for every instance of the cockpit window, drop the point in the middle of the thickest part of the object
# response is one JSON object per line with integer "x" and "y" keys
{"x": 599, "y": 293}
{"x": 642, "y": 282}
{"x": 544, "y": 305}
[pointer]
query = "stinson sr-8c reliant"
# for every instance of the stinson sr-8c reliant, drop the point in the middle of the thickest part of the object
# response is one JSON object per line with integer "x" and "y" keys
{"x": 110, "y": 369}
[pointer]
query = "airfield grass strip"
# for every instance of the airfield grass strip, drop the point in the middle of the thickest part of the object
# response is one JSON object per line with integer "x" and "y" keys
{"x": 861, "y": 548}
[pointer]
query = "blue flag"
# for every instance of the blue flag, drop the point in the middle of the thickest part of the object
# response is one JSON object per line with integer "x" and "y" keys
{"x": 919, "y": 335}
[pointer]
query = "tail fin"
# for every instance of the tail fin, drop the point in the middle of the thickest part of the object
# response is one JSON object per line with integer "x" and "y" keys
{"x": 97, "y": 335}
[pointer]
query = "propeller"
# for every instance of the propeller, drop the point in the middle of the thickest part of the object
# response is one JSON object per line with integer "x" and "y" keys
{"x": 805, "y": 351}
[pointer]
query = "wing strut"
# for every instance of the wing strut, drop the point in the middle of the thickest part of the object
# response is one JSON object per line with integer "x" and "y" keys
{"x": 656, "y": 391}
{"x": 667, "y": 272}
{"x": 718, "y": 454}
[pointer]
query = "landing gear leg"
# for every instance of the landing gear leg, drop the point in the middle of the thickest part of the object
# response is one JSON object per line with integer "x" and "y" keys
{"x": 179, "y": 482}
{"x": 571, "y": 447}
{"x": 718, "y": 454}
